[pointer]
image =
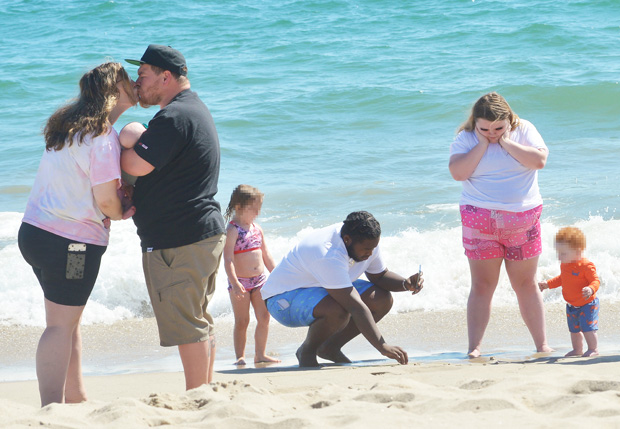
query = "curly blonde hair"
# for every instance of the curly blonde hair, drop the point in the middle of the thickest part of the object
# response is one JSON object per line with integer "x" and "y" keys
{"x": 89, "y": 113}
{"x": 572, "y": 236}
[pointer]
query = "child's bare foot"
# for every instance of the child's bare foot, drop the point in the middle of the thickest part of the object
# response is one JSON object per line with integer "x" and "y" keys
{"x": 240, "y": 361}
{"x": 589, "y": 353}
{"x": 266, "y": 359}
{"x": 574, "y": 353}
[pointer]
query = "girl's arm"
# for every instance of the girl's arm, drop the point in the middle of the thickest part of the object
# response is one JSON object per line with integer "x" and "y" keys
{"x": 229, "y": 254}
{"x": 530, "y": 157}
{"x": 462, "y": 165}
{"x": 268, "y": 260}
{"x": 107, "y": 199}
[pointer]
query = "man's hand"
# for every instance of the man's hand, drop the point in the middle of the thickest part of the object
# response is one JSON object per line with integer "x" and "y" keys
{"x": 395, "y": 352}
{"x": 414, "y": 283}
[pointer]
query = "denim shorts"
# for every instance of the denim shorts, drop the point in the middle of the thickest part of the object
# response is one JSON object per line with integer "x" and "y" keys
{"x": 584, "y": 318}
{"x": 295, "y": 308}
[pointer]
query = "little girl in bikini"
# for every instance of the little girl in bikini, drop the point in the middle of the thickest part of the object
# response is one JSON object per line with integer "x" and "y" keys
{"x": 245, "y": 258}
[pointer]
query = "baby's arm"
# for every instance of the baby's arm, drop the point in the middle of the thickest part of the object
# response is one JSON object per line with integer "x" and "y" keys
{"x": 229, "y": 266}
{"x": 130, "y": 134}
{"x": 268, "y": 260}
{"x": 593, "y": 281}
{"x": 543, "y": 285}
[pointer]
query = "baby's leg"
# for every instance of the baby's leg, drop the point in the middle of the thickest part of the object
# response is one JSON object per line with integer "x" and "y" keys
{"x": 577, "y": 340}
{"x": 130, "y": 134}
{"x": 592, "y": 341}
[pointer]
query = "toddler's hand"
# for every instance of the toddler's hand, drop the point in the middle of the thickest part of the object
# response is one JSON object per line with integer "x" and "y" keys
{"x": 587, "y": 292}
{"x": 542, "y": 286}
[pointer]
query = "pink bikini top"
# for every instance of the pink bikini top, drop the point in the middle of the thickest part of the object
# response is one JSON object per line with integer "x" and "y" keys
{"x": 248, "y": 240}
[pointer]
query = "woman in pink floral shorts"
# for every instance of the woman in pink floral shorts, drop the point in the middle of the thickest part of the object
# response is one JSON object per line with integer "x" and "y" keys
{"x": 496, "y": 155}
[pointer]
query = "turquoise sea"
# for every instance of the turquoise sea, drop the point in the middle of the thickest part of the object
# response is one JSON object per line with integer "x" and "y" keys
{"x": 331, "y": 106}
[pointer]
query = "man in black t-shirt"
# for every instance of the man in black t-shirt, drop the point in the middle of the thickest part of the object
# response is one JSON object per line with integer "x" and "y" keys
{"x": 181, "y": 228}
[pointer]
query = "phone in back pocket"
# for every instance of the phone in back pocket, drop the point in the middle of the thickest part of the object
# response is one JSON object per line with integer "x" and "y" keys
{"x": 76, "y": 261}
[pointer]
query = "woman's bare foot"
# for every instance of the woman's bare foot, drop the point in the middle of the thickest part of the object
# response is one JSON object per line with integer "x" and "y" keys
{"x": 590, "y": 353}
{"x": 545, "y": 349}
{"x": 266, "y": 359}
{"x": 574, "y": 353}
{"x": 473, "y": 354}
{"x": 240, "y": 361}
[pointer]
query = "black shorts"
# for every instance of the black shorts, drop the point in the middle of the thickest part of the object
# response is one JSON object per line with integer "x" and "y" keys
{"x": 66, "y": 269}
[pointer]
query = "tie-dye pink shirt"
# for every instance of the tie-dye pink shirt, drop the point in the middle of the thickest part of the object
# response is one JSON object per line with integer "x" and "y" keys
{"x": 62, "y": 201}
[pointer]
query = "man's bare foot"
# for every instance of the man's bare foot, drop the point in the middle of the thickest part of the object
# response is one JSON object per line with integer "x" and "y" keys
{"x": 306, "y": 360}
{"x": 590, "y": 353}
{"x": 335, "y": 356}
{"x": 240, "y": 361}
{"x": 574, "y": 353}
{"x": 475, "y": 353}
{"x": 266, "y": 359}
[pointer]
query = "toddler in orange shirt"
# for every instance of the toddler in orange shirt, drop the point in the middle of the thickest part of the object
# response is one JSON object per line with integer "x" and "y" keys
{"x": 579, "y": 283}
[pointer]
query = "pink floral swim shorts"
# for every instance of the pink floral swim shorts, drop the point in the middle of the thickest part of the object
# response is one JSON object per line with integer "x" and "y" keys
{"x": 488, "y": 234}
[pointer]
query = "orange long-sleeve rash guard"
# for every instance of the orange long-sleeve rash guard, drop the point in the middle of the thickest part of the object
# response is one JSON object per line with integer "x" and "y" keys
{"x": 573, "y": 278}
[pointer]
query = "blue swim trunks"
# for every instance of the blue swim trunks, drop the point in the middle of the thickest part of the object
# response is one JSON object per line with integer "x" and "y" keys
{"x": 584, "y": 318}
{"x": 294, "y": 308}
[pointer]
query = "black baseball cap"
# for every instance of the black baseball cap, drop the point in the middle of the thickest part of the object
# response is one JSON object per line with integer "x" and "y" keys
{"x": 164, "y": 57}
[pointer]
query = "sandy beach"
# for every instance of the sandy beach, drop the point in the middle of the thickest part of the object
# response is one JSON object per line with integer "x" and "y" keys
{"x": 509, "y": 387}
{"x": 543, "y": 392}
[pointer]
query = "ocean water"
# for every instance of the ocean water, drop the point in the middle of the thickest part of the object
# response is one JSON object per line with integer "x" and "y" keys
{"x": 332, "y": 106}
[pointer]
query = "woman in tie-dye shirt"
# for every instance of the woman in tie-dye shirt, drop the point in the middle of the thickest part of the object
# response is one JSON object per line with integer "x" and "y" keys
{"x": 65, "y": 228}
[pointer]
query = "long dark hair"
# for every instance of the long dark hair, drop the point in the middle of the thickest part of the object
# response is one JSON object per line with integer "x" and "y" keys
{"x": 89, "y": 113}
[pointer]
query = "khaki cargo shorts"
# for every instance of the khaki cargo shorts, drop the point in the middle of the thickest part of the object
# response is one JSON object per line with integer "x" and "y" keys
{"x": 181, "y": 283}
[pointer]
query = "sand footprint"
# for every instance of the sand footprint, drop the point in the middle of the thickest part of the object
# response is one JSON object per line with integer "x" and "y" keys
{"x": 385, "y": 398}
{"x": 477, "y": 384}
{"x": 593, "y": 386}
{"x": 482, "y": 405}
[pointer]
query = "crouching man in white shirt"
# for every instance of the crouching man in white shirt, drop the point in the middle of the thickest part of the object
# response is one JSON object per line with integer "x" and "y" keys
{"x": 316, "y": 285}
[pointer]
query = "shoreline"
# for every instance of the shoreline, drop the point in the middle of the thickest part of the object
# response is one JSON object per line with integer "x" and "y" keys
{"x": 509, "y": 386}
{"x": 132, "y": 346}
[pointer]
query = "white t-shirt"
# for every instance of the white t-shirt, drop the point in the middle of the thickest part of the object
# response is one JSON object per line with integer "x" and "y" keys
{"x": 500, "y": 182}
{"x": 62, "y": 200}
{"x": 320, "y": 260}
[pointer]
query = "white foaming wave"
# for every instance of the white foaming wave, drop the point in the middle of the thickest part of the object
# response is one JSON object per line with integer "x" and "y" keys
{"x": 120, "y": 292}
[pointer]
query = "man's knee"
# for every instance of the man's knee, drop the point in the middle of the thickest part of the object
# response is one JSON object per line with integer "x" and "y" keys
{"x": 334, "y": 313}
{"x": 379, "y": 300}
